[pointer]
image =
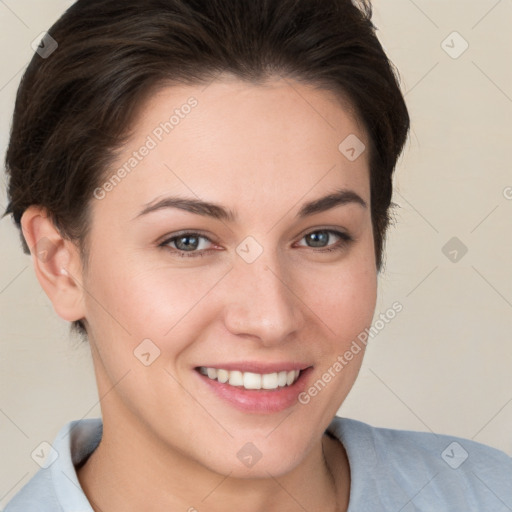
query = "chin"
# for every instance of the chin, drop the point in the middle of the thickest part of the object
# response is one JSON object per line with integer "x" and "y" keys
{"x": 261, "y": 458}
{"x": 258, "y": 468}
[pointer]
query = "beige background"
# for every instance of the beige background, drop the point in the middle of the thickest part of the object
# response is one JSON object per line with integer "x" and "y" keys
{"x": 443, "y": 364}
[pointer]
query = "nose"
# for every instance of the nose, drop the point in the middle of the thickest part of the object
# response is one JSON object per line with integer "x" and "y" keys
{"x": 261, "y": 302}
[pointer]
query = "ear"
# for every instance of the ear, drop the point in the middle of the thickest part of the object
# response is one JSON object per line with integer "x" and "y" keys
{"x": 56, "y": 263}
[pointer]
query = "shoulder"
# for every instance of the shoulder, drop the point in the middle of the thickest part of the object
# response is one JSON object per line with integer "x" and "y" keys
{"x": 55, "y": 487}
{"x": 426, "y": 468}
{"x": 37, "y": 494}
{"x": 453, "y": 451}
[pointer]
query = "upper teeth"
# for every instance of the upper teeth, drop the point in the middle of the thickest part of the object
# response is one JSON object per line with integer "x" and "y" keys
{"x": 251, "y": 380}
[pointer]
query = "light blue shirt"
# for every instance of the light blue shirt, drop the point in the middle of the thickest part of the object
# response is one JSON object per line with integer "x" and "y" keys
{"x": 391, "y": 470}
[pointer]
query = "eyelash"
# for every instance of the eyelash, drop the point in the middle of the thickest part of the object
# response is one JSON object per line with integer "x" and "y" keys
{"x": 345, "y": 239}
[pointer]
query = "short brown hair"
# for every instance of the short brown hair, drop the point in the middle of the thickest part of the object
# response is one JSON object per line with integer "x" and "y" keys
{"x": 74, "y": 108}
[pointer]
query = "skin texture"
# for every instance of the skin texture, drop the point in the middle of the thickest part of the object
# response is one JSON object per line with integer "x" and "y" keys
{"x": 261, "y": 151}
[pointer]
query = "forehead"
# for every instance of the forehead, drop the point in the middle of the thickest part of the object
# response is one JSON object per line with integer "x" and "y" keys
{"x": 237, "y": 141}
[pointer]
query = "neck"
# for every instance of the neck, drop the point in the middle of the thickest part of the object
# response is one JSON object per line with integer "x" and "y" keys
{"x": 130, "y": 465}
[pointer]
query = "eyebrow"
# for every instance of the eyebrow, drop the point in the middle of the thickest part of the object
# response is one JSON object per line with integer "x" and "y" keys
{"x": 338, "y": 198}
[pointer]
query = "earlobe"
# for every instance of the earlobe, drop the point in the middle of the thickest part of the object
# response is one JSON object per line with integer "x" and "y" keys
{"x": 56, "y": 263}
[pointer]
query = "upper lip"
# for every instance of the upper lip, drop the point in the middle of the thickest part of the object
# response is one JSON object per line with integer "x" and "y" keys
{"x": 255, "y": 367}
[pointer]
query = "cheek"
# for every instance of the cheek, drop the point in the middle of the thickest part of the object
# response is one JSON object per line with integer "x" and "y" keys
{"x": 130, "y": 301}
{"x": 344, "y": 295}
{"x": 347, "y": 309}
{"x": 138, "y": 294}
{"x": 344, "y": 300}
{"x": 354, "y": 295}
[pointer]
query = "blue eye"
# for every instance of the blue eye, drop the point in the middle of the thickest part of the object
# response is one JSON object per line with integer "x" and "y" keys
{"x": 322, "y": 235}
{"x": 187, "y": 244}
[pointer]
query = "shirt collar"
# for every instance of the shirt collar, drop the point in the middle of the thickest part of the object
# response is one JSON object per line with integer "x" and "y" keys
{"x": 73, "y": 444}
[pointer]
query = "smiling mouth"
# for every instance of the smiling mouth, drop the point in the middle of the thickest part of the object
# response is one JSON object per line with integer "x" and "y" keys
{"x": 251, "y": 380}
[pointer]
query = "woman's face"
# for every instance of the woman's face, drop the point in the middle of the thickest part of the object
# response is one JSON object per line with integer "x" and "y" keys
{"x": 251, "y": 289}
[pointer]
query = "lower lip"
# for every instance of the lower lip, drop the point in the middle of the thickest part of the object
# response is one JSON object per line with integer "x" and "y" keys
{"x": 260, "y": 401}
